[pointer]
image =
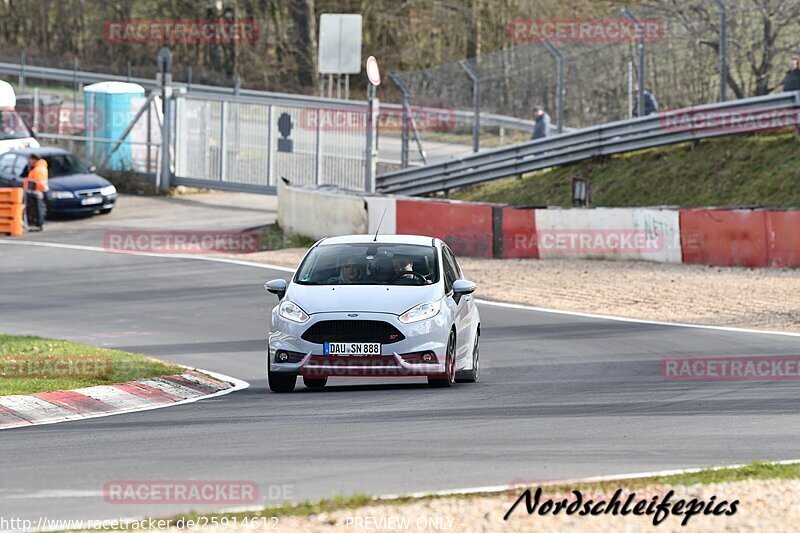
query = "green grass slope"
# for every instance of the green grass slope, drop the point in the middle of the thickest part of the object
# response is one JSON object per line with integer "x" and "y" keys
{"x": 743, "y": 170}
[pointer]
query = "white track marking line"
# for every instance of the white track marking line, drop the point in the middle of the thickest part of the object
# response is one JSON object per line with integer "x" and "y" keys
{"x": 522, "y": 307}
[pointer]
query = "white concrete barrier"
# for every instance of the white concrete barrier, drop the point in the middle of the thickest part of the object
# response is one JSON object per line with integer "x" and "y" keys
{"x": 382, "y": 207}
{"x": 608, "y": 233}
{"x": 320, "y": 213}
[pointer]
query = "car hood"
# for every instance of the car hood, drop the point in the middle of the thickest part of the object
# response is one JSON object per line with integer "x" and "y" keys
{"x": 77, "y": 182}
{"x": 394, "y": 299}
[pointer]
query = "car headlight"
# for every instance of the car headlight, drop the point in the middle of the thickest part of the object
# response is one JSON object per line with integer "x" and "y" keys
{"x": 421, "y": 312}
{"x": 292, "y": 311}
{"x": 60, "y": 195}
{"x": 108, "y": 191}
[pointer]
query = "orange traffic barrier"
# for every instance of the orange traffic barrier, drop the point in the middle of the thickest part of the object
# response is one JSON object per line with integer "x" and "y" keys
{"x": 11, "y": 195}
{"x": 11, "y": 210}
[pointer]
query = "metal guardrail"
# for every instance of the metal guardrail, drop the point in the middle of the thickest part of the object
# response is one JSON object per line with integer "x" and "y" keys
{"x": 606, "y": 139}
{"x": 244, "y": 95}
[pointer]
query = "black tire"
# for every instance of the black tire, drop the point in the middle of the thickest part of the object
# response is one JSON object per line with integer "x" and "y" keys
{"x": 315, "y": 383}
{"x": 280, "y": 382}
{"x": 471, "y": 376}
{"x": 450, "y": 366}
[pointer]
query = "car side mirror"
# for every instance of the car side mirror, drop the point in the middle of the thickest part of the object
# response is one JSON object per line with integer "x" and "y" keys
{"x": 93, "y": 169}
{"x": 276, "y": 287}
{"x": 462, "y": 287}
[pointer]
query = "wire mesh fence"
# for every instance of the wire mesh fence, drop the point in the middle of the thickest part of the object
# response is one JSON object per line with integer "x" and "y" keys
{"x": 682, "y": 66}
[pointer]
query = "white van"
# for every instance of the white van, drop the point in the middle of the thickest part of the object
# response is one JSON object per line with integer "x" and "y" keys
{"x": 13, "y": 131}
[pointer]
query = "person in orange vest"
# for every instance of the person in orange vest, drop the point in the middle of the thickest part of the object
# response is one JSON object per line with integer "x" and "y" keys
{"x": 35, "y": 185}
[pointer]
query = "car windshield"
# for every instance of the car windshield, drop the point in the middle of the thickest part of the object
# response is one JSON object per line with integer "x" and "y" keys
{"x": 12, "y": 126}
{"x": 64, "y": 165}
{"x": 369, "y": 264}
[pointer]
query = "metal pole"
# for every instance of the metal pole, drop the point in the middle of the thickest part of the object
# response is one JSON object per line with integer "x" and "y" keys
{"x": 189, "y": 80}
{"x": 149, "y": 135}
{"x": 165, "y": 79}
{"x": 559, "y": 83}
{"x": 22, "y": 71}
{"x": 406, "y": 113}
{"x": 369, "y": 160}
{"x": 318, "y": 157}
{"x": 223, "y": 160}
{"x": 74, "y": 86}
{"x": 630, "y": 90}
{"x": 476, "y": 104}
{"x": 723, "y": 48}
{"x": 129, "y": 71}
{"x": 237, "y": 85}
{"x": 35, "y": 122}
{"x": 270, "y": 152}
{"x": 641, "y": 50}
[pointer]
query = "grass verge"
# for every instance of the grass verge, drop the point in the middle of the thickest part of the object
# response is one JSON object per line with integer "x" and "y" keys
{"x": 744, "y": 170}
{"x": 755, "y": 470}
{"x": 34, "y": 364}
{"x": 272, "y": 237}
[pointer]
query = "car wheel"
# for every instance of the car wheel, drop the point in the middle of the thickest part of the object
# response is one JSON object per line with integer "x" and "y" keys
{"x": 315, "y": 383}
{"x": 471, "y": 376}
{"x": 450, "y": 366}
{"x": 280, "y": 382}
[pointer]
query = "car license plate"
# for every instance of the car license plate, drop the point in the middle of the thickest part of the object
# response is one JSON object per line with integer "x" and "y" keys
{"x": 352, "y": 348}
{"x": 92, "y": 201}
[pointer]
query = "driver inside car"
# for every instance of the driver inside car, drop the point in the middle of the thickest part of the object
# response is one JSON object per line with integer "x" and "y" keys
{"x": 351, "y": 272}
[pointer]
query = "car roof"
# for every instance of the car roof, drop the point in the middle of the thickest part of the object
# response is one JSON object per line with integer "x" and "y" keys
{"x": 386, "y": 239}
{"x": 42, "y": 151}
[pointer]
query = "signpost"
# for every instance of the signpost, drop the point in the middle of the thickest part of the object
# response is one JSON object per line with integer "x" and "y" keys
{"x": 374, "y": 76}
{"x": 339, "y": 50}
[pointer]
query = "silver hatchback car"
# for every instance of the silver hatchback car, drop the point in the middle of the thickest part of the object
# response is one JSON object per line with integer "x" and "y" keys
{"x": 389, "y": 305}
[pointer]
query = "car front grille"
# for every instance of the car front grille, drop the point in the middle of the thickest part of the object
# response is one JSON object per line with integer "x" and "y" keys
{"x": 88, "y": 193}
{"x": 352, "y": 331}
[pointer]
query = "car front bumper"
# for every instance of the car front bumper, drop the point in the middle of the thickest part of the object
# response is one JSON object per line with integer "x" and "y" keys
{"x": 429, "y": 335}
{"x": 74, "y": 206}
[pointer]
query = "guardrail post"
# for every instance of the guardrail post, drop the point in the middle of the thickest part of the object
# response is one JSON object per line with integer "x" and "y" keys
{"x": 476, "y": 104}
{"x": 559, "y": 57}
{"x": 641, "y": 66}
{"x": 723, "y": 48}
{"x": 237, "y": 85}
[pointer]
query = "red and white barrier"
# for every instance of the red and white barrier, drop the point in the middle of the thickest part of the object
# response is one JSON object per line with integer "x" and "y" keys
{"x": 720, "y": 237}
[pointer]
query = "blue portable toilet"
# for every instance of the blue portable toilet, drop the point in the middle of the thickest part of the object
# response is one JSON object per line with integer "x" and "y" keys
{"x": 109, "y": 110}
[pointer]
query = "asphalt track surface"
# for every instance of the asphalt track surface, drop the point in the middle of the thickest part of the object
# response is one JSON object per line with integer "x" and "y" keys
{"x": 560, "y": 397}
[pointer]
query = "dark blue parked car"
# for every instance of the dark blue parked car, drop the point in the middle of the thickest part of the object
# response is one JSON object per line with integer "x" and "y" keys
{"x": 73, "y": 187}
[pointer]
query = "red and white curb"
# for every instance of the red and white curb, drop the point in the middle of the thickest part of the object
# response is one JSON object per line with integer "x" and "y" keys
{"x": 105, "y": 400}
